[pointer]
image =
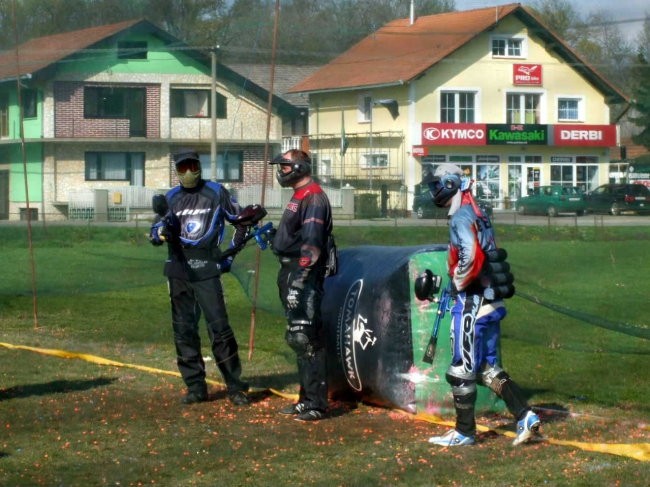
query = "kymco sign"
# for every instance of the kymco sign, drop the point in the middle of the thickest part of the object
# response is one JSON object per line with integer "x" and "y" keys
{"x": 453, "y": 134}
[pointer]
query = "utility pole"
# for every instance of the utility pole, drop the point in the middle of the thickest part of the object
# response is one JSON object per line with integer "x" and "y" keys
{"x": 213, "y": 111}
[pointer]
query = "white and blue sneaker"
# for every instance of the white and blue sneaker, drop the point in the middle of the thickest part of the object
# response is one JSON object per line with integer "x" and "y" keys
{"x": 527, "y": 428}
{"x": 452, "y": 438}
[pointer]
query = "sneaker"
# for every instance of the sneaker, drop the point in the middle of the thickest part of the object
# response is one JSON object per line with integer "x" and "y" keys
{"x": 239, "y": 398}
{"x": 452, "y": 438}
{"x": 311, "y": 415}
{"x": 192, "y": 397}
{"x": 294, "y": 409}
{"x": 527, "y": 427}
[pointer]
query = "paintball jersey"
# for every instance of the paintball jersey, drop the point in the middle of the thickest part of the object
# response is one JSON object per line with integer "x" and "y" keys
{"x": 199, "y": 216}
{"x": 305, "y": 228}
{"x": 470, "y": 236}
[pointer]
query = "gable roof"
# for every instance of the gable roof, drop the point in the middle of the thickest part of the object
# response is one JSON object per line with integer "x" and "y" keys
{"x": 40, "y": 53}
{"x": 400, "y": 52}
{"x": 285, "y": 76}
{"x": 37, "y": 57}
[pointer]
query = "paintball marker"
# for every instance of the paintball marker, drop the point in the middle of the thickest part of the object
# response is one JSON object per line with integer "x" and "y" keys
{"x": 250, "y": 217}
{"x": 426, "y": 286}
{"x": 161, "y": 208}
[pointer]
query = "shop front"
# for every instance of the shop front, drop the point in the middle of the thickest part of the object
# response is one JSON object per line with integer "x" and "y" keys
{"x": 508, "y": 161}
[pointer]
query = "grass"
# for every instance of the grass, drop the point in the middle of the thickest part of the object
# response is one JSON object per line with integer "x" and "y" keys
{"x": 71, "y": 422}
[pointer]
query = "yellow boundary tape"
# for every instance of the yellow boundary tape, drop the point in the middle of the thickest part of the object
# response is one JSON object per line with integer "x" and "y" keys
{"x": 637, "y": 451}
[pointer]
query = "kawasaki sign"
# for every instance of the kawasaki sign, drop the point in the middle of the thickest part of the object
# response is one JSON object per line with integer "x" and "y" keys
{"x": 517, "y": 134}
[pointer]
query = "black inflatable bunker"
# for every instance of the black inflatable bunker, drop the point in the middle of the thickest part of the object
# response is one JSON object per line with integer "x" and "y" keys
{"x": 378, "y": 331}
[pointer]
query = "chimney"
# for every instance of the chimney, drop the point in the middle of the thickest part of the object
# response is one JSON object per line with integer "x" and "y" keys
{"x": 412, "y": 12}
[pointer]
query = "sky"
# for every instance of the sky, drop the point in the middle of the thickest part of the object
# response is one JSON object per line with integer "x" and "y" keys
{"x": 617, "y": 10}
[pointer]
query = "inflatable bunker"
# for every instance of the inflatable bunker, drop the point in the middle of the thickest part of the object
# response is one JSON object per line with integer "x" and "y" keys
{"x": 378, "y": 331}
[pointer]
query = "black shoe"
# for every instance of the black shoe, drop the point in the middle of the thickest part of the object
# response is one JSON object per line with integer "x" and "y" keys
{"x": 193, "y": 397}
{"x": 239, "y": 398}
{"x": 293, "y": 409}
{"x": 311, "y": 415}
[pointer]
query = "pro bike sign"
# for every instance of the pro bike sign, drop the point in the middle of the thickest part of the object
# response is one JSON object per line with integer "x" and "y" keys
{"x": 526, "y": 74}
{"x": 584, "y": 135}
{"x": 453, "y": 134}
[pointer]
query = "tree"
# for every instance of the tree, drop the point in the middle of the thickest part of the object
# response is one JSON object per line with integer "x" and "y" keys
{"x": 641, "y": 89}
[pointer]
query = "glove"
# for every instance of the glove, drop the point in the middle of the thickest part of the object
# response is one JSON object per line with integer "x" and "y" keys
{"x": 226, "y": 264}
{"x": 293, "y": 297}
{"x": 158, "y": 234}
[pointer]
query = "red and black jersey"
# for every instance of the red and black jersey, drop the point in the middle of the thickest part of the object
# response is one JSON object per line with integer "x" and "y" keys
{"x": 305, "y": 227}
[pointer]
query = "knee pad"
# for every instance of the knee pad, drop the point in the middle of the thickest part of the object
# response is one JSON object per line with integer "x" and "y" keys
{"x": 463, "y": 386}
{"x": 298, "y": 339}
{"x": 494, "y": 377}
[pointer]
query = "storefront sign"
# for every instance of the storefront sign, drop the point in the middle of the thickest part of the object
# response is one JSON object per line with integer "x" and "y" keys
{"x": 524, "y": 134}
{"x": 527, "y": 74}
{"x": 453, "y": 134}
{"x": 479, "y": 134}
{"x": 584, "y": 135}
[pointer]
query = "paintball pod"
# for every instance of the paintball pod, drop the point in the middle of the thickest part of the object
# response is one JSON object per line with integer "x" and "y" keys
{"x": 427, "y": 285}
{"x": 496, "y": 278}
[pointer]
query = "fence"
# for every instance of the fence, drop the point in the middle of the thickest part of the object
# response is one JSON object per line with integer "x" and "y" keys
{"x": 116, "y": 204}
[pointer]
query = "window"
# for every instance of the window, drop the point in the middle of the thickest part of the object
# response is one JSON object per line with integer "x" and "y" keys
{"x": 29, "y": 100}
{"x": 508, "y": 47}
{"x": 562, "y": 175}
{"x": 112, "y": 101}
{"x": 4, "y": 115}
{"x": 570, "y": 109}
{"x": 457, "y": 107}
{"x": 132, "y": 50}
{"x": 586, "y": 172}
{"x": 229, "y": 166}
{"x": 523, "y": 108}
{"x": 364, "y": 108}
{"x": 115, "y": 166}
{"x": 370, "y": 161}
{"x": 195, "y": 103}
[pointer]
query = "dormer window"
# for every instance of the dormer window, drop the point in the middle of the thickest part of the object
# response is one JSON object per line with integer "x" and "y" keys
{"x": 508, "y": 47}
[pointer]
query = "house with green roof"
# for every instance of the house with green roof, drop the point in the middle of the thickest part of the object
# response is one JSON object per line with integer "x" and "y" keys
{"x": 88, "y": 120}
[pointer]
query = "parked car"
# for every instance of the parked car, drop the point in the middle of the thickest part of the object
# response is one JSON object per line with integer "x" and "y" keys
{"x": 552, "y": 200}
{"x": 424, "y": 207}
{"x": 617, "y": 198}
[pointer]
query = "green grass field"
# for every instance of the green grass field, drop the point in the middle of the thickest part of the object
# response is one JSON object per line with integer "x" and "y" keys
{"x": 576, "y": 340}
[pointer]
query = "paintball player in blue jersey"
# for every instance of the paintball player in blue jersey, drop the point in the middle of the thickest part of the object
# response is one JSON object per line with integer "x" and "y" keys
{"x": 301, "y": 244}
{"x": 193, "y": 229}
{"x": 480, "y": 280}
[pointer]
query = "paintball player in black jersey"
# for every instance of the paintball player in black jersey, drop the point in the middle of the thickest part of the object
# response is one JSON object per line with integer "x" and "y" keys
{"x": 301, "y": 244}
{"x": 193, "y": 229}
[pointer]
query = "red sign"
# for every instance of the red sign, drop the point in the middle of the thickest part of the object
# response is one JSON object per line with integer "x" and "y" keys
{"x": 419, "y": 150}
{"x": 527, "y": 74}
{"x": 584, "y": 135}
{"x": 453, "y": 134}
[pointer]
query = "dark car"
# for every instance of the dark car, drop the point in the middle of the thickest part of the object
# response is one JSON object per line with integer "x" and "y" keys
{"x": 618, "y": 198}
{"x": 423, "y": 207}
{"x": 552, "y": 200}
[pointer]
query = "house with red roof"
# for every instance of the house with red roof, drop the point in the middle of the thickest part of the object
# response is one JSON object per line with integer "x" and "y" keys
{"x": 493, "y": 90}
{"x": 88, "y": 120}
